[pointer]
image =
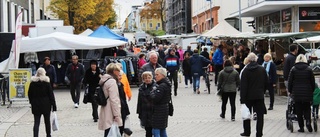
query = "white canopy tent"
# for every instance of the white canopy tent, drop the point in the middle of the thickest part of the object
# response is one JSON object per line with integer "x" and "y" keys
{"x": 59, "y": 41}
{"x": 222, "y": 29}
{"x": 87, "y": 32}
{"x": 314, "y": 39}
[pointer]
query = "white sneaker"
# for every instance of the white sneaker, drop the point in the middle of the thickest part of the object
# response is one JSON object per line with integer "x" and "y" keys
{"x": 76, "y": 105}
{"x": 186, "y": 86}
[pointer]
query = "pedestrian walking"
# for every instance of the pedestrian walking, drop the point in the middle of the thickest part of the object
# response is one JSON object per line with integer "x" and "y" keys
{"x": 289, "y": 62}
{"x": 91, "y": 79}
{"x": 144, "y": 105}
{"x": 186, "y": 70}
{"x": 75, "y": 73}
{"x": 111, "y": 113}
{"x": 124, "y": 81}
{"x": 42, "y": 100}
{"x": 218, "y": 62}
{"x": 142, "y": 60}
{"x": 172, "y": 65}
{"x": 301, "y": 84}
{"x": 254, "y": 82}
{"x": 228, "y": 82}
{"x": 50, "y": 71}
{"x": 151, "y": 65}
{"x": 123, "y": 101}
{"x": 272, "y": 74}
{"x": 161, "y": 97}
{"x": 197, "y": 62}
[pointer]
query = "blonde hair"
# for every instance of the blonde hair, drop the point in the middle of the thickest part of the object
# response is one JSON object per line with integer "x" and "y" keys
{"x": 146, "y": 73}
{"x": 112, "y": 67}
{"x": 245, "y": 61}
{"x": 162, "y": 71}
{"x": 267, "y": 55}
{"x": 301, "y": 58}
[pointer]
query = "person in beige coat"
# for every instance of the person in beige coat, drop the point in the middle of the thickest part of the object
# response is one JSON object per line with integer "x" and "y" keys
{"x": 111, "y": 113}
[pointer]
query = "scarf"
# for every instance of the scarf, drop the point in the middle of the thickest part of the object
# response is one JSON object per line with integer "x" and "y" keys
{"x": 267, "y": 67}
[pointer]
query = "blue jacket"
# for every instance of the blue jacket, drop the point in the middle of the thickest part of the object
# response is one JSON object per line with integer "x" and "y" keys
{"x": 218, "y": 57}
{"x": 197, "y": 62}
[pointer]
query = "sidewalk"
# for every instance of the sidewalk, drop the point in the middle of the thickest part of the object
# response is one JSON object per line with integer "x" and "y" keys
{"x": 194, "y": 116}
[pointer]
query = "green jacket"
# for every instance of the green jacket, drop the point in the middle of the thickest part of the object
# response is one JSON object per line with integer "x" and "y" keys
{"x": 228, "y": 79}
{"x": 316, "y": 96}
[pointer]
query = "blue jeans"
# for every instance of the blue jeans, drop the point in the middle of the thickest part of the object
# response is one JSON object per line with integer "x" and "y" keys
{"x": 159, "y": 132}
{"x": 196, "y": 82}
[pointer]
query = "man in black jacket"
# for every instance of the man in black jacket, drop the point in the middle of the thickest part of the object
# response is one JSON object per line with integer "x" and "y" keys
{"x": 254, "y": 82}
{"x": 50, "y": 71}
{"x": 205, "y": 53}
{"x": 289, "y": 62}
{"x": 75, "y": 73}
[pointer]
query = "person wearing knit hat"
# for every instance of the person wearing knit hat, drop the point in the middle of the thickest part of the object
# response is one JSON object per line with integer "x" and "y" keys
{"x": 42, "y": 100}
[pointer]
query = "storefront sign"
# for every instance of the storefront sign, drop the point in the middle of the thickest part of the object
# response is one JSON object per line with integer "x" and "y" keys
{"x": 309, "y": 13}
{"x": 19, "y": 81}
{"x": 286, "y": 15}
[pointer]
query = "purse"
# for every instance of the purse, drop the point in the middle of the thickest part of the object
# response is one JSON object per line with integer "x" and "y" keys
{"x": 170, "y": 107}
{"x": 86, "y": 95}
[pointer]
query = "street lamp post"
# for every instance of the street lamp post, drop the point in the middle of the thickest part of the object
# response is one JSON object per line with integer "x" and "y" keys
{"x": 240, "y": 22}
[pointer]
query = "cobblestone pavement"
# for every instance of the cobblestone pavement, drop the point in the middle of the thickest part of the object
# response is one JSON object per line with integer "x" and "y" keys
{"x": 194, "y": 116}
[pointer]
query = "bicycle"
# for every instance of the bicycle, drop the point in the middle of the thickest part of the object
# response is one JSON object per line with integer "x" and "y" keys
{"x": 206, "y": 77}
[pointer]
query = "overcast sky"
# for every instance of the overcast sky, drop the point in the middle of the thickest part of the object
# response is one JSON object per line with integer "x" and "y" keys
{"x": 125, "y": 7}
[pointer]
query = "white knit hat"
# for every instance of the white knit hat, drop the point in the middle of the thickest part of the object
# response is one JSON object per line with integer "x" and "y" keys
{"x": 41, "y": 72}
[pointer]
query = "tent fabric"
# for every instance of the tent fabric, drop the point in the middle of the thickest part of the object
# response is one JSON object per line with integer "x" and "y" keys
{"x": 314, "y": 39}
{"x": 105, "y": 32}
{"x": 222, "y": 29}
{"x": 65, "y": 41}
{"x": 87, "y": 32}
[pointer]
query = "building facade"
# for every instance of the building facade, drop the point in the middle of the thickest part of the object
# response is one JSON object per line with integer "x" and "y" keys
{"x": 273, "y": 16}
{"x": 32, "y": 10}
{"x": 178, "y": 16}
{"x": 221, "y": 10}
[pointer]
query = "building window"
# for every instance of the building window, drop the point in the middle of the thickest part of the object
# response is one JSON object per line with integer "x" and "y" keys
{"x": 144, "y": 25}
{"x": 309, "y": 19}
{"x": 158, "y": 25}
{"x": 150, "y": 25}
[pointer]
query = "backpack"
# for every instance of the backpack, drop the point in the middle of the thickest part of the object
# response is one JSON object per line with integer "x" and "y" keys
{"x": 99, "y": 96}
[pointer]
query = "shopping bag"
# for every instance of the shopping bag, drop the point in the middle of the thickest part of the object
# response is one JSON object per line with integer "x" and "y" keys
{"x": 86, "y": 95}
{"x": 114, "y": 131}
{"x": 245, "y": 112}
{"x": 55, "y": 124}
{"x": 179, "y": 77}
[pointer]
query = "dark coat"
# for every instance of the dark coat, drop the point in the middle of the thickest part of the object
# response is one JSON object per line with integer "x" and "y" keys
{"x": 161, "y": 54}
{"x": 171, "y": 62}
{"x": 254, "y": 82}
{"x": 205, "y": 54}
{"x": 228, "y": 79}
{"x": 301, "y": 82}
{"x": 92, "y": 80}
{"x": 148, "y": 67}
{"x": 272, "y": 73}
{"x": 186, "y": 67}
{"x": 189, "y": 51}
{"x": 123, "y": 100}
{"x": 51, "y": 73}
{"x": 197, "y": 62}
{"x": 41, "y": 96}
{"x": 288, "y": 64}
{"x": 121, "y": 53}
{"x": 145, "y": 104}
{"x": 75, "y": 73}
{"x": 161, "y": 97}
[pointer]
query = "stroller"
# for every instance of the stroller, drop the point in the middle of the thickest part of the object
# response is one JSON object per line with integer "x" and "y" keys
{"x": 291, "y": 116}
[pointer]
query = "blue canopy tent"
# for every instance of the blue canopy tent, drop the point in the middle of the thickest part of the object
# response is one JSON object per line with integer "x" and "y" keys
{"x": 105, "y": 32}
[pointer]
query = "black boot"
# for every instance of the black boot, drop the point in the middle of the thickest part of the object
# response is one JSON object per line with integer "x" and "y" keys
{"x": 308, "y": 125}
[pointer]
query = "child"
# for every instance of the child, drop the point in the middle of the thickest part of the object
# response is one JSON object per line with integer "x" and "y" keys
{"x": 186, "y": 67}
{"x": 144, "y": 106}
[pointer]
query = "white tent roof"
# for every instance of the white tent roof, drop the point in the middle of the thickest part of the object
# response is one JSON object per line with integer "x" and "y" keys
{"x": 314, "y": 39}
{"x": 87, "y": 32}
{"x": 222, "y": 29}
{"x": 65, "y": 41}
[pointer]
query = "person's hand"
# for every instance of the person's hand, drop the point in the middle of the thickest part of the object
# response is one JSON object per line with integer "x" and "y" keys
{"x": 129, "y": 98}
{"x": 118, "y": 120}
{"x": 54, "y": 85}
{"x": 274, "y": 85}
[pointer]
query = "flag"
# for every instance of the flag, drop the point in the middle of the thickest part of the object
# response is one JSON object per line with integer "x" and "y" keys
{"x": 18, "y": 37}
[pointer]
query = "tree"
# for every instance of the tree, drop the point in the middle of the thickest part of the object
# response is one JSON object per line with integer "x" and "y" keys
{"x": 83, "y": 14}
{"x": 157, "y": 8}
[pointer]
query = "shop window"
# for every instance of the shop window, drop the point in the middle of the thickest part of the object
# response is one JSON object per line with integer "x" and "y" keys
{"x": 309, "y": 26}
{"x": 286, "y": 27}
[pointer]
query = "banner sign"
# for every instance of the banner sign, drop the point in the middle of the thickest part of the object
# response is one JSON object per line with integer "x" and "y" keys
{"x": 19, "y": 81}
{"x": 309, "y": 13}
{"x": 286, "y": 15}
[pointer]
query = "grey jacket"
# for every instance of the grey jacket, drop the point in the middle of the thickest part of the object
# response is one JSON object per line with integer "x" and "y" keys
{"x": 228, "y": 79}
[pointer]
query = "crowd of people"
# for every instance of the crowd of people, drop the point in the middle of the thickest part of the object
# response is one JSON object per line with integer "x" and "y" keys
{"x": 250, "y": 73}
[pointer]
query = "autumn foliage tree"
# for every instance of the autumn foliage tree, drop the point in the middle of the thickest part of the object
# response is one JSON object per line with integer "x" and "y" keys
{"x": 157, "y": 10}
{"x": 83, "y": 14}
